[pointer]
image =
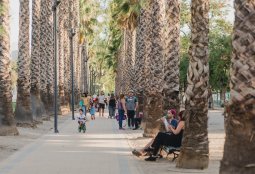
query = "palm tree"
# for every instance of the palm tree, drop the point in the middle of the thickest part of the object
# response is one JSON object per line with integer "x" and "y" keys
{"x": 141, "y": 55}
{"x": 7, "y": 122}
{"x": 49, "y": 57}
{"x": 172, "y": 57}
{"x": 194, "y": 152}
{"x": 23, "y": 112}
{"x": 37, "y": 105}
{"x": 126, "y": 16}
{"x": 240, "y": 144}
{"x": 154, "y": 70}
{"x": 43, "y": 55}
{"x": 63, "y": 40}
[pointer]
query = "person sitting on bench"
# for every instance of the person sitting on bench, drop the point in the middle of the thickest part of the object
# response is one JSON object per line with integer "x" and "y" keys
{"x": 167, "y": 121}
{"x": 165, "y": 139}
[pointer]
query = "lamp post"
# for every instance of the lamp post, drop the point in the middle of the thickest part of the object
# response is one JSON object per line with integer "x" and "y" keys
{"x": 71, "y": 35}
{"x": 54, "y": 9}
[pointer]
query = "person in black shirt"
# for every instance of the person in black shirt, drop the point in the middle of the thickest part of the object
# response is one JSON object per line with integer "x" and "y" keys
{"x": 112, "y": 106}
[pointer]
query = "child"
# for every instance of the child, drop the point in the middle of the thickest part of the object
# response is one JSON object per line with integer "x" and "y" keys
{"x": 93, "y": 111}
{"x": 81, "y": 121}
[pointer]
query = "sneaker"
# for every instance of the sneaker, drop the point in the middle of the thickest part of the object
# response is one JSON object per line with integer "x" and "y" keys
{"x": 135, "y": 128}
{"x": 151, "y": 158}
{"x": 121, "y": 129}
{"x": 136, "y": 153}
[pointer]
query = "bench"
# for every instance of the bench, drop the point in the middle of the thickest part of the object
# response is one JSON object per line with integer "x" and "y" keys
{"x": 171, "y": 150}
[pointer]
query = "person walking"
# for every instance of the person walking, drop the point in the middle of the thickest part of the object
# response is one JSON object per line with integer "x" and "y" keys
{"x": 101, "y": 101}
{"x": 112, "y": 106}
{"x": 121, "y": 109}
{"x": 86, "y": 103}
{"x": 132, "y": 105}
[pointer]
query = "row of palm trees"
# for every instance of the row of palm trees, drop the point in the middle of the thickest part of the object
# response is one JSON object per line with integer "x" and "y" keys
{"x": 35, "y": 96}
{"x": 150, "y": 47}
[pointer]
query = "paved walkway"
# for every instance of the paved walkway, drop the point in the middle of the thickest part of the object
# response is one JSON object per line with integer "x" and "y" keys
{"x": 102, "y": 149}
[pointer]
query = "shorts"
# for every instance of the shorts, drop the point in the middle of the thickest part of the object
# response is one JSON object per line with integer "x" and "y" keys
{"x": 101, "y": 105}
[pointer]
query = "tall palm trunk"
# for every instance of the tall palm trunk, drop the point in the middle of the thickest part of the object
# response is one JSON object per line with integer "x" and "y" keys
{"x": 172, "y": 57}
{"x": 75, "y": 20}
{"x": 62, "y": 29}
{"x": 141, "y": 35}
{"x": 23, "y": 112}
{"x": 126, "y": 60}
{"x": 7, "y": 122}
{"x": 65, "y": 107}
{"x": 43, "y": 55}
{"x": 84, "y": 68}
{"x": 129, "y": 70}
{"x": 118, "y": 74}
{"x": 194, "y": 152}
{"x": 122, "y": 67}
{"x": 154, "y": 68}
{"x": 37, "y": 105}
{"x": 67, "y": 84}
{"x": 239, "y": 146}
{"x": 50, "y": 58}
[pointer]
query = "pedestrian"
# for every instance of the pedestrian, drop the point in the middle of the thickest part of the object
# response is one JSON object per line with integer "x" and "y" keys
{"x": 101, "y": 101}
{"x": 132, "y": 105}
{"x": 93, "y": 111}
{"x": 112, "y": 106}
{"x": 121, "y": 110}
{"x": 86, "y": 106}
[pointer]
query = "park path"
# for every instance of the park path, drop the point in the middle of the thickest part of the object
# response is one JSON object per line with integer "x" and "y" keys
{"x": 102, "y": 149}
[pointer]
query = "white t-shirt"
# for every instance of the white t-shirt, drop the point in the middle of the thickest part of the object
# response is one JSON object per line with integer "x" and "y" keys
{"x": 82, "y": 118}
{"x": 101, "y": 99}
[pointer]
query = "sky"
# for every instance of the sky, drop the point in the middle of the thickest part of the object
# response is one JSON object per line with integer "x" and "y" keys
{"x": 14, "y": 21}
{"x": 14, "y": 24}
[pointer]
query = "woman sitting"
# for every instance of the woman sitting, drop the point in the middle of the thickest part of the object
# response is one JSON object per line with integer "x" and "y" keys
{"x": 164, "y": 139}
{"x": 167, "y": 120}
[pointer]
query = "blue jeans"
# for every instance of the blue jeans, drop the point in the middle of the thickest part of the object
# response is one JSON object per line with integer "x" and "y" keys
{"x": 121, "y": 116}
{"x": 111, "y": 111}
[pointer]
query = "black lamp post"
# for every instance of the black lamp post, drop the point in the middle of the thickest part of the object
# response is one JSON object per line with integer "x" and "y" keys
{"x": 71, "y": 35}
{"x": 54, "y": 9}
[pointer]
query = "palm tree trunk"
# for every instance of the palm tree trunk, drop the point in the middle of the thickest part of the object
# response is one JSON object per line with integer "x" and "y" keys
{"x": 43, "y": 55}
{"x": 62, "y": 17}
{"x": 122, "y": 67}
{"x": 239, "y": 146}
{"x": 133, "y": 57}
{"x": 7, "y": 122}
{"x": 142, "y": 30}
{"x": 194, "y": 152}
{"x": 154, "y": 71}
{"x": 65, "y": 107}
{"x": 23, "y": 112}
{"x": 37, "y": 105}
{"x": 172, "y": 57}
{"x": 50, "y": 58}
{"x": 126, "y": 60}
